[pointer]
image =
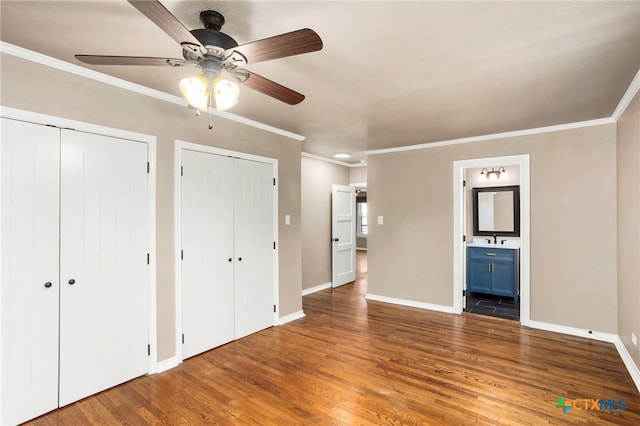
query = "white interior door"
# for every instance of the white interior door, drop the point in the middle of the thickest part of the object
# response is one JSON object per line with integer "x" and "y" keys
{"x": 30, "y": 262}
{"x": 104, "y": 246}
{"x": 254, "y": 247}
{"x": 343, "y": 229}
{"x": 206, "y": 209}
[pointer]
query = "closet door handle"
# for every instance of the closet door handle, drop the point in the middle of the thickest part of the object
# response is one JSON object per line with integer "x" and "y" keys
{"x": 72, "y": 281}
{"x": 239, "y": 259}
{"x": 230, "y": 259}
{"x": 47, "y": 284}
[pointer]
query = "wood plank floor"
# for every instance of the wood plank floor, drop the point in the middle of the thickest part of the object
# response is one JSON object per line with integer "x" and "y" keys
{"x": 353, "y": 361}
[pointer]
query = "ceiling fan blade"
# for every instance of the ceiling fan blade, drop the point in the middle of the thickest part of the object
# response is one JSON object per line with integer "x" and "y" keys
{"x": 159, "y": 15}
{"x": 280, "y": 46}
{"x": 129, "y": 60}
{"x": 271, "y": 88}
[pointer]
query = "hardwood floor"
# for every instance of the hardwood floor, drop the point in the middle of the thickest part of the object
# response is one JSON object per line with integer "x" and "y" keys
{"x": 353, "y": 361}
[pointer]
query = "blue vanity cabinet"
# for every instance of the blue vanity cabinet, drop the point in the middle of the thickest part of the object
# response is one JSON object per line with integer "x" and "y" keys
{"x": 493, "y": 271}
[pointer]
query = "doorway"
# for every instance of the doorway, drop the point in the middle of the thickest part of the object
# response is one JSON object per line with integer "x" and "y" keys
{"x": 463, "y": 235}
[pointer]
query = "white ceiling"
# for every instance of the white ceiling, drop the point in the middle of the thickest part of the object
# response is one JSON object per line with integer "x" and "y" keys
{"x": 390, "y": 74}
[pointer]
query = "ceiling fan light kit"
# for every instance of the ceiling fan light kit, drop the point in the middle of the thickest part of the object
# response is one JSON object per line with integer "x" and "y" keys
{"x": 219, "y": 58}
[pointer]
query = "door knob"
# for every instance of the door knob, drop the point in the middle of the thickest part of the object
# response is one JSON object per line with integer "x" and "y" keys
{"x": 72, "y": 281}
{"x": 47, "y": 284}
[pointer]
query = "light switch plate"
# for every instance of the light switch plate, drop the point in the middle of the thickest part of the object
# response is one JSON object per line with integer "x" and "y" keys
{"x": 633, "y": 339}
{"x": 287, "y": 219}
{"x": 380, "y": 220}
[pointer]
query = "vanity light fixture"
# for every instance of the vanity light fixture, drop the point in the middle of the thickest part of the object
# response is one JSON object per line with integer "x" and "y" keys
{"x": 494, "y": 174}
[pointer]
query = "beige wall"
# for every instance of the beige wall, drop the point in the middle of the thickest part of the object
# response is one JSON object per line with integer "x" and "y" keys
{"x": 317, "y": 178}
{"x": 629, "y": 227}
{"x": 573, "y": 223}
{"x": 37, "y": 88}
{"x": 358, "y": 174}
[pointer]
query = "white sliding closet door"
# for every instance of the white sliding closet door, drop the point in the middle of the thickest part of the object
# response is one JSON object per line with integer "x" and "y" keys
{"x": 207, "y": 251}
{"x": 30, "y": 258}
{"x": 104, "y": 300}
{"x": 253, "y": 244}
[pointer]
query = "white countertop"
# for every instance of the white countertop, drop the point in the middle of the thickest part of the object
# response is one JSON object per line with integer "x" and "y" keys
{"x": 482, "y": 242}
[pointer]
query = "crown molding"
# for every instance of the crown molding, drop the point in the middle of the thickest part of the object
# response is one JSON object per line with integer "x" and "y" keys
{"x": 58, "y": 64}
{"x": 331, "y": 160}
{"x": 504, "y": 135}
{"x": 627, "y": 97}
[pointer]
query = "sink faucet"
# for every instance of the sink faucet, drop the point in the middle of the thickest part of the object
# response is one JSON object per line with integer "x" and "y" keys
{"x": 495, "y": 239}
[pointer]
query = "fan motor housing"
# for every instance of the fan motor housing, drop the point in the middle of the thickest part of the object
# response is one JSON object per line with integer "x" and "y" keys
{"x": 215, "y": 38}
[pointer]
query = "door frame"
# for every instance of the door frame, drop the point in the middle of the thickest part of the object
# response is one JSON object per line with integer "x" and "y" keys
{"x": 459, "y": 217}
{"x": 179, "y": 147}
{"x": 151, "y": 141}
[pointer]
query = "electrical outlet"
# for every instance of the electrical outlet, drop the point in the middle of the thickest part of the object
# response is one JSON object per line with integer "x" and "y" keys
{"x": 634, "y": 340}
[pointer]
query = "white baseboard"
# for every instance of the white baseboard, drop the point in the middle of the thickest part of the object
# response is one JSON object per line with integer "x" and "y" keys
{"x": 310, "y": 290}
{"x": 632, "y": 368}
{"x": 291, "y": 317}
{"x": 412, "y": 303}
{"x": 361, "y": 248}
{"x": 572, "y": 331}
{"x": 167, "y": 364}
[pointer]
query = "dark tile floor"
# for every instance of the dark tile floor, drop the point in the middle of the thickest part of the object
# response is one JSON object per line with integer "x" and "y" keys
{"x": 495, "y": 306}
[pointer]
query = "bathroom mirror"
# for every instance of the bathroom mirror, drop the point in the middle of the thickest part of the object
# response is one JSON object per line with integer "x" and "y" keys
{"x": 496, "y": 210}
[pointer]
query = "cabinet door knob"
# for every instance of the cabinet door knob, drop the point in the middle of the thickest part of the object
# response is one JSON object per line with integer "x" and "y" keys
{"x": 230, "y": 260}
{"x": 47, "y": 284}
{"x": 72, "y": 281}
{"x": 239, "y": 259}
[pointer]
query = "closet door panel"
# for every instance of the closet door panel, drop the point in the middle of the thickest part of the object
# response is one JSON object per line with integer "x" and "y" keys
{"x": 254, "y": 238}
{"x": 104, "y": 299}
{"x": 208, "y": 257}
{"x": 30, "y": 258}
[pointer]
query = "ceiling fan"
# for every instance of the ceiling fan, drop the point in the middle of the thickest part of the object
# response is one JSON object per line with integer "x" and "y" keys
{"x": 218, "y": 56}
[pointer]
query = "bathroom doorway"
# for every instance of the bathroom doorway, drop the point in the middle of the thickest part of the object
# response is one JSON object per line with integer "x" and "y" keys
{"x": 503, "y": 303}
{"x": 492, "y": 226}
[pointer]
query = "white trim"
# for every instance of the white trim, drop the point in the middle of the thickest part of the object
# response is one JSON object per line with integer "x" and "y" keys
{"x": 153, "y": 254}
{"x": 410, "y": 303}
{"x": 179, "y": 146}
{"x": 314, "y": 289}
{"x": 362, "y": 248}
{"x": 177, "y": 237}
{"x": 41, "y": 59}
{"x": 325, "y": 159}
{"x": 151, "y": 141}
{"x": 516, "y": 133}
{"x": 633, "y": 369}
{"x": 291, "y": 317}
{"x": 359, "y": 185}
{"x": 168, "y": 364}
{"x": 572, "y": 331}
{"x": 627, "y": 97}
{"x": 64, "y": 123}
{"x": 525, "y": 228}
